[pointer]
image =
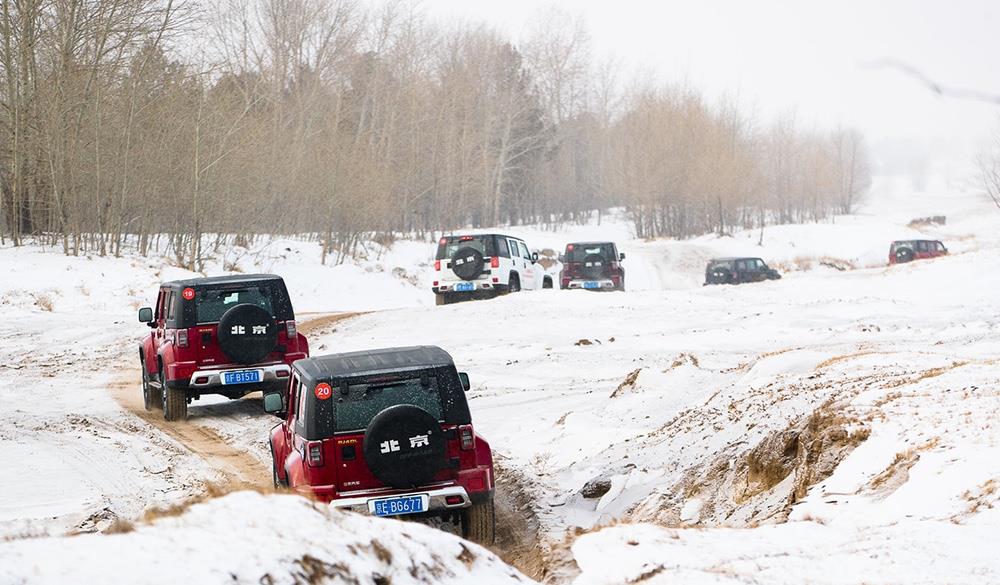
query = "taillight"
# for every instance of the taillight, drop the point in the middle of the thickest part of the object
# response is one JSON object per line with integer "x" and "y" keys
{"x": 467, "y": 438}
{"x": 290, "y": 328}
{"x": 181, "y": 338}
{"x": 314, "y": 453}
{"x": 282, "y": 373}
{"x": 454, "y": 500}
{"x": 437, "y": 265}
{"x": 495, "y": 262}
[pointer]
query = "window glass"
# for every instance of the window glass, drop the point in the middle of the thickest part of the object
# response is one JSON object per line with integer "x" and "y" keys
{"x": 159, "y": 305}
{"x": 742, "y": 265}
{"x": 524, "y": 251}
{"x": 210, "y": 305}
{"x": 170, "y": 305}
{"x": 939, "y": 246}
{"x": 512, "y": 245}
{"x": 720, "y": 265}
{"x": 759, "y": 263}
{"x": 353, "y": 411}
{"x": 447, "y": 246}
{"x": 300, "y": 396}
{"x": 579, "y": 252}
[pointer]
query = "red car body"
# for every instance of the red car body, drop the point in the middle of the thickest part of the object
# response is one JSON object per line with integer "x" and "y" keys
{"x": 902, "y": 251}
{"x": 184, "y": 354}
{"x": 318, "y": 461}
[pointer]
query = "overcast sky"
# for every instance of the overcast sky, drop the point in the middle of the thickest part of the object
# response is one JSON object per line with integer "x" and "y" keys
{"x": 803, "y": 54}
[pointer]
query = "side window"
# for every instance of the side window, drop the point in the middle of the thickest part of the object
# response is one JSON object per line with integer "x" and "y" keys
{"x": 170, "y": 306}
{"x": 760, "y": 264}
{"x": 513, "y": 248}
{"x": 293, "y": 395}
{"x": 524, "y": 251}
{"x": 159, "y": 306}
{"x": 300, "y": 407}
{"x": 922, "y": 247}
{"x": 939, "y": 246}
{"x": 501, "y": 248}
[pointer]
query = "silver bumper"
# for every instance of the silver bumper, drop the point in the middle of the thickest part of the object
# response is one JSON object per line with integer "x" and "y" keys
{"x": 269, "y": 375}
{"x": 436, "y": 497}
{"x": 603, "y": 283}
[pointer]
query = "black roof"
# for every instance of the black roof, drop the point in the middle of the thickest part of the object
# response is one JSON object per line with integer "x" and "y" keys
{"x": 360, "y": 363}
{"x": 732, "y": 258}
{"x": 601, "y": 243}
{"x": 228, "y": 279}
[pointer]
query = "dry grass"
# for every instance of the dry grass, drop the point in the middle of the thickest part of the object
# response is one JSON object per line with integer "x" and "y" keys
{"x": 628, "y": 383}
{"x": 43, "y": 302}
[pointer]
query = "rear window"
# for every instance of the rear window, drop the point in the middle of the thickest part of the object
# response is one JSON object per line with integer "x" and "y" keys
{"x": 210, "y": 304}
{"x": 447, "y": 246}
{"x": 720, "y": 265}
{"x": 356, "y": 408}
{"x": 906, "y": 244}
{"x": 577, "y": 252}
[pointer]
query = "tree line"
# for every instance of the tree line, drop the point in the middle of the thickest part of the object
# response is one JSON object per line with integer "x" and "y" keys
{"x": 141, "y": 122}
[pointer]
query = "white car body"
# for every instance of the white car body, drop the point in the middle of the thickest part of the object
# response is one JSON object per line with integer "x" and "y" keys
{"x": 505, "y": 259}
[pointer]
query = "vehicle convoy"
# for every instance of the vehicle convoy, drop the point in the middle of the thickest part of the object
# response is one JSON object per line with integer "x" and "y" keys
{"x": 902, "y": 251}
{"x": 592, "y": 266}
{"x": 738, "y": 271}
{"x": 385, "y": 432}
{"x": 483, "y": 266}
{"x": 228, "y": 335}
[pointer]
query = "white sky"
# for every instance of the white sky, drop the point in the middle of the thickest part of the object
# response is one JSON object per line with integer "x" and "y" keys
{"x": 803, "y": 54}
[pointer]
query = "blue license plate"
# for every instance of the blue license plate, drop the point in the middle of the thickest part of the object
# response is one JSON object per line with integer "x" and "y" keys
{"x": 397, "y": 506}
{"x": 591, "y": 284}
{"x": 241, "y": 377}
{"x": 465, "y": 286}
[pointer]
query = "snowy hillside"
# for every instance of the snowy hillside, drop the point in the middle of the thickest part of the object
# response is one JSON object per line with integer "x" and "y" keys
{"x": 250, "y": 538}
{"x": 772, "y": 432}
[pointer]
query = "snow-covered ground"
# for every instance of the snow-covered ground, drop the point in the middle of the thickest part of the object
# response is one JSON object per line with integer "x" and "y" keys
{"x": 828, "y": 427}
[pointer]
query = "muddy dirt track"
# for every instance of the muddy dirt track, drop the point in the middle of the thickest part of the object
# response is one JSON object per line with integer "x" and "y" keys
{"x": 517, "y": 528}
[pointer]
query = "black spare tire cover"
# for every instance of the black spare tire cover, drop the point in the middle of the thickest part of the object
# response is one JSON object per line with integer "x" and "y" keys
{"x": 467, "y": 263}
{"x": 404, "y": 446}
{"x": 247, "y": 333}
{"x": 594, "y": 265}
{"x": 904, "y": 255}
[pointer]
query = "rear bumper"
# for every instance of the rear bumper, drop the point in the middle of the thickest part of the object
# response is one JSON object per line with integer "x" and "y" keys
{"x": 480, "y": 287}
{"x": 211, "y": 379}
{"x": 603, "y": 283}
{"x": 437, "y": 499}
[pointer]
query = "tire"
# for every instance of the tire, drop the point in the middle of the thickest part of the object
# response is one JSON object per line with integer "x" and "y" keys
{"x": 514, "y": 284}
{"x": 247, "y": 334}
{"x": 175, "y": 404}
{"x": 151, "y": 400}
{"x": 391, "y": 452}
{"x": 546, "y": 282}
{"x": 479, "y": 523}
{"x": 467, "y": 263}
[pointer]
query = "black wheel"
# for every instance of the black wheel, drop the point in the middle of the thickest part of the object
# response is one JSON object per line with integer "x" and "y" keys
{"x": 515, "y": 284}
{"x": 904, "y": 255}
{"x": 175, "y": 404}
{"x": 404, "y": 446}
{"x": 151, "y": 399}
{"x": 479, "y": 523}
{"x": 247, "y": 333}
{"x": 467, "y": 263}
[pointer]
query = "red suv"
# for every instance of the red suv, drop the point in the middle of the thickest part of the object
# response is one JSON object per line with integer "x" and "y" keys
{"x": 592, "y": 266}
{"x": 907, "y": 250}
{"x": 384, "y": 432}
{"x": 228, "y": 335}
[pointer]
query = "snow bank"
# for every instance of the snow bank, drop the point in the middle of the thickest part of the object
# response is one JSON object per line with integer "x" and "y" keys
{"x": 251, "y": 538}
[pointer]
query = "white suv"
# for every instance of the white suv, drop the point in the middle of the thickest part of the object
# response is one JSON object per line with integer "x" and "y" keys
{"x": 484, "y": 265}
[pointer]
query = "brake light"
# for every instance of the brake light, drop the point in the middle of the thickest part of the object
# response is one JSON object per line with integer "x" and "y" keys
{"x": 466, "y": 437}
{"x": 181, "y": 338}
{"x": 290, "y": 328}
{"x": 437, "y": 265}
{"x": 282, "y": 373}
{"x": 314, "y": 453}
{"x": 495, "y": 262}
{"x": 569, "y": 247}
{"x": 466, "y": 239}
{"x": 443, "y": 241}
{"x": 453, "y": 500}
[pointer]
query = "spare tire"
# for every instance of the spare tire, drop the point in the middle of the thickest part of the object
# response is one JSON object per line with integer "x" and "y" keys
{"x": 404, "y": 446}
{"x": 467, "y": 263}
{"x": 594, "y": 265}
{"x": 247, "y": 333}
{"x": 904, "y": 255}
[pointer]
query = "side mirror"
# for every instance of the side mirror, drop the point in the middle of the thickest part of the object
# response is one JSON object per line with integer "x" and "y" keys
{"x": 534, "y": 257}
{"x": 621, "y": 256}
{"x": 274, "y": 403}
{"x": 466, "y": 384}
{"x": 562, "y": 258}
{"x": 145, "y": 315}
